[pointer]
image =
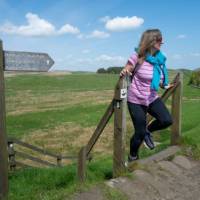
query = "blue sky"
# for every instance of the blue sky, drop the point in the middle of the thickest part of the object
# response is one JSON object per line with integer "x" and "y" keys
{"x": 89, "y": 34}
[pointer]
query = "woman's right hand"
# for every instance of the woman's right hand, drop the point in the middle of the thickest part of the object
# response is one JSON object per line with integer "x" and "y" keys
{"x": 124, "y": 72}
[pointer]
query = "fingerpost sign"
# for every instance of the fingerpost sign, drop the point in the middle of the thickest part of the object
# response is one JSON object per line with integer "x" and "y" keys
{"x": 14, "y": 61}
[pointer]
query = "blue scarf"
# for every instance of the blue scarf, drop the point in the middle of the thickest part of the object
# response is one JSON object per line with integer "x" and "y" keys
{"x": 158, "y": 62}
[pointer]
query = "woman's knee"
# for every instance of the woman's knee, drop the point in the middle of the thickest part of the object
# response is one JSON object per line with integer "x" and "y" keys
{"x": 167, "y": 121}
{"x": 140, "y": 135}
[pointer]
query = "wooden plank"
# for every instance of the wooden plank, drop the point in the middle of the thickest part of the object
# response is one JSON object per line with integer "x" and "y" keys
{"x": 3, "y": 139}
{"x": 27, "y": 61}
{"x": 20, "y": 164}
{"x": 168, "y": 92}
{"x": 69, "y": 157}
{"x": 119, "y": 129}
{"x": 176, "y": 112}
{"x": 24, "y": 155}
{"x": 32, "y": 147}
{"x": 59, "y": 161}
{"x": 82, "y": 164}
{"x": 104, "y": 120}
{"x": 162, "y": 155}
{"x": 11, "y": 155}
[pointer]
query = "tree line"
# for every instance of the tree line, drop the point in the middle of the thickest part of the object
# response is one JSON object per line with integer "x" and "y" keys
{"x": 110, "y": 70}
{"x": 195, "y": 78}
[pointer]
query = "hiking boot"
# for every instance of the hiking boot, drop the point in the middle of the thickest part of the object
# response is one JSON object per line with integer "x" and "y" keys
{"x": 132, "y": 158}
{"x": 148, "y": 140}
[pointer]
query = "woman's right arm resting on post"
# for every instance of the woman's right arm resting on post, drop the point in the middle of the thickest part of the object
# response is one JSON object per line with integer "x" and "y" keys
{"x": 127, "y": 69}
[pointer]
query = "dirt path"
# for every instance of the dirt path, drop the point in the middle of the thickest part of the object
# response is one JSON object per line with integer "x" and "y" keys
{"x": 166, "y": 179}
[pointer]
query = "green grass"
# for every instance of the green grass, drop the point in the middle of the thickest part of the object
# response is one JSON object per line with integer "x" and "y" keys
{"x": 42, "y": 84}
{"x": 84, "y": 115}
{"x": 59, "y": 183}
{"x": 56, "y": 183}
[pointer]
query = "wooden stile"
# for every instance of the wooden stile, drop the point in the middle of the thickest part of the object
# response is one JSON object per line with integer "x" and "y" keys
{"x": 82, "y": 164}
{"x": 104, "y": 120}
{"x": 177, "y": 111}
{"x": 118, "y": 106}
{"x": 119, "y": 128}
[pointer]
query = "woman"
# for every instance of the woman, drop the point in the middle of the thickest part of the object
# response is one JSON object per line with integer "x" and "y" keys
{"x": 142, "y": 93}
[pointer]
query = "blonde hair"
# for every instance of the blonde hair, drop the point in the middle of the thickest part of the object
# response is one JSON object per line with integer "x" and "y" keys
{"x": 147, "y": 42}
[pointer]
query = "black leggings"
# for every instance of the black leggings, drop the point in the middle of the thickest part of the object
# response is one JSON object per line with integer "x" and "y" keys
{"x": 138, "y": 113}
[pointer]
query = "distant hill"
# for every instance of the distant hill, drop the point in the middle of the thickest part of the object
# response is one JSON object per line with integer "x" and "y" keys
{"x": 197, "y": 69}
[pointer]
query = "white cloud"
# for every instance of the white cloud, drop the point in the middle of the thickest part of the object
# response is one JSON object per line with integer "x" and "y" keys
{"x": 80, "y": 36}
{"x": 99, "y": 61}
{"x": 104, "y": 19}
{"x": 85, "y": 51}
{"x": 195, "y": 54}
{"x": 181, "y": 36}
{"x": 105, "y": 57}
{"x": 37, "y": 26}
{"x": 177, "y": 56}
{"x": 98, "y": 34}
{"x": 67, "y": 28}
{"x": 124, "y": 23}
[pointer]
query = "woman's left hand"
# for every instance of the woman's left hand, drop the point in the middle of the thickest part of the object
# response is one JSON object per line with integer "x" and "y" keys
{"x": 169, "y": 86}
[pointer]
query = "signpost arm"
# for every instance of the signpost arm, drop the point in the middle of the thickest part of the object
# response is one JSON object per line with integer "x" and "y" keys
{"x": 3, "y": 139}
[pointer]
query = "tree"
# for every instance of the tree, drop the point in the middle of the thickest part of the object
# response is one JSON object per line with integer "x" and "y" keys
{"x": 101, "y": 71}
{"x": 195, "y": 78}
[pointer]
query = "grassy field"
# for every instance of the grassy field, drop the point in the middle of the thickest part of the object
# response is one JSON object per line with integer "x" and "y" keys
{"x": 59, "y": 113}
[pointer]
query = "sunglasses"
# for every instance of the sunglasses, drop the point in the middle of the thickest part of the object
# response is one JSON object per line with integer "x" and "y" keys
{"x": 159, "y": 40}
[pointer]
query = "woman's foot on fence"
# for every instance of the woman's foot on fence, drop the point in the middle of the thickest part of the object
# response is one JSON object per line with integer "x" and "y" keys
{"x": 131, "y": 159}
{"x": 148, "y": 141}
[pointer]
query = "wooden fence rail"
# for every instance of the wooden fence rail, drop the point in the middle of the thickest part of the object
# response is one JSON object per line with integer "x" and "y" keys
{"x": 13, "y": 153}
{"x": 118, "y": 107}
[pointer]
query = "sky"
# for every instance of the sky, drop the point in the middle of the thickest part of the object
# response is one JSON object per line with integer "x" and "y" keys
{"x": 85, "y": 35}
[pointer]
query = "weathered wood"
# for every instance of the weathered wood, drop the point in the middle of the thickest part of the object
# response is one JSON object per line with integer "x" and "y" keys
{"x": 176, "y": 112}
{"x": 11, "y": 155}
{"x": 59, "y": 161}
{"x": 104, "y": 120}
{"x": 85, "y": 151}
{"x": 162, "y": 155}
{"x": 69, "y": 157}
{"x": 27, "y": 61}
{"x": 13, "y": 162}
{"x": 119, "y": 128}
{"x": 82, "y": 164}
{"x": 22, "y": 164}
{"x": 32, "y": 147}
{"x": 24, "y": 155}
{"x": 3, "y": 139}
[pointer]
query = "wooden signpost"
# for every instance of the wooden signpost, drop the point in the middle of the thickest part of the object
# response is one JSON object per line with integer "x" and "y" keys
{"x": 27, "y": 61}
{"x": 14, "y": 61}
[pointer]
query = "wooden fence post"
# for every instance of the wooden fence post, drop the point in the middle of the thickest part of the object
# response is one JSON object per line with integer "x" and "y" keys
{"x": 119, "y": 128}
{"x": 3, "y": 139}
{"x": 177, "y": 111}
{"x": 59, "y": 160}
{"x": 82, "y": 157}
{"x": 11, "y": 155}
